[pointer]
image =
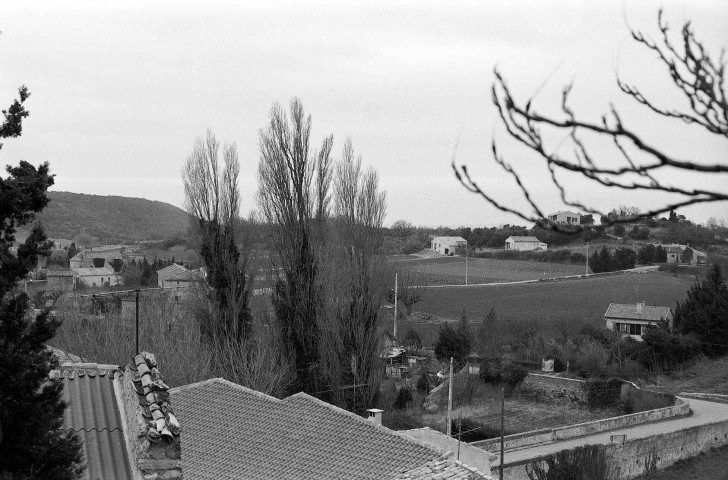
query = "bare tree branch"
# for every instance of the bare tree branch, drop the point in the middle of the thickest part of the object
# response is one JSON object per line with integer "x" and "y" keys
{"x": 696, "y": 75}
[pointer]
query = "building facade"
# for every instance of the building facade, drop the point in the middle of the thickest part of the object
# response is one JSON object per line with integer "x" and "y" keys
{"x": 634, "y": 319}
{"x": 524, "y": 243}
{"x": 447, "y": 245}
{"x": 565, "y": 218}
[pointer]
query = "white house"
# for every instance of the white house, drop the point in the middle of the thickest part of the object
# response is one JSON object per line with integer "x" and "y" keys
{"x": 447, "y": 245}
{"x": 565, "y": 218}
{"x": 633, "y": 319}
{"x": 96, "y": 277}
{"x": 525, "y": 243}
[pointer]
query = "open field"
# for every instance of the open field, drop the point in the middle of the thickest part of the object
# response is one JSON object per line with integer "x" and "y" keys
{"x": 581, "y": 300}
{"x": 451, "y": 270}
{"x": 705, "y": 376}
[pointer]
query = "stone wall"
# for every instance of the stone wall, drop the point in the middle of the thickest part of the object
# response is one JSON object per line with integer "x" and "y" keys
{"x": 636, "y": 457}
{"x": 154, "y": 460}
{"x": 556, "y": 388}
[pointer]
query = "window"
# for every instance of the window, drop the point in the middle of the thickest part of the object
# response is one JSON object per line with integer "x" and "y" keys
{"x": 628, "y": 328}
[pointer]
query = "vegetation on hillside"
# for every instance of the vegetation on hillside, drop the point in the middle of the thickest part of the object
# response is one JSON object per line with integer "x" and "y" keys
{"x": 92, "y": 219}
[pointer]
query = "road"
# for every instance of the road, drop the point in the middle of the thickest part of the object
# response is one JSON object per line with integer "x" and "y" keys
{"x": 703, "y": 412}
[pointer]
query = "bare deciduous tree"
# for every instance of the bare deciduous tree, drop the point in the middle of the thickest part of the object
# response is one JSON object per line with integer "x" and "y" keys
{"x": 212, "y": 198}
{"x": 697, "y": 76}
{"x": 356, "y": 268}
{"x": 293, "y": 197}
{"x": 411, "y": 286}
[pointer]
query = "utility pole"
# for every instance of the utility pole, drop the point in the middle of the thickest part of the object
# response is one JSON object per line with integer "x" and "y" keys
{"x": 137, "y": 322}
{"x": 586, "y": 267}
{"x": 449, "y": 404}
{"x": 466, "y": 262}
{"x": 503, "y": 403}
{"x": 396, "y": 300}
{"x": 460, "y": 430}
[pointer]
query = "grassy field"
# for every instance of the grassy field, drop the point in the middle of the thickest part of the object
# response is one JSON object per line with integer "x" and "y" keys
{"x": 582, "y": 300}
{"x": 706, "y": 376}
{"x": 451, "y": 270}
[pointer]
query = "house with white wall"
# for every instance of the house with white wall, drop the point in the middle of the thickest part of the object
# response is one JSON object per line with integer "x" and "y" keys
{"x": 447, "y": 245}
{"x": 525, "y": 243}
{"x": 565, "y": 217}
{"x": 96, "y": 277}
{"x": 633, "y": 319}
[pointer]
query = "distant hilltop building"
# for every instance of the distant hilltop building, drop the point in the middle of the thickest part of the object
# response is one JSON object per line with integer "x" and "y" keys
{"x": 565, "y": 218}
{"x": 525, "y": 243}
{"x": 447, "y": 245}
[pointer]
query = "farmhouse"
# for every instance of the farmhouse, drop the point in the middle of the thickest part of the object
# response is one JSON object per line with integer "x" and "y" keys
{"x": 525, "y": 243}
{"x": 565, "y": 218}
{"x": 176, "y": 276}
{"x": 447, "y": 245}
{"x": 675, "y": 254}
{"x": 633, "y": 319}
{"x": 96, "y": 277}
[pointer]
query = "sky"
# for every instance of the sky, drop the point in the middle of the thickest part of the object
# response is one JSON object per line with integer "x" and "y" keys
{"x": 121, "y": 90}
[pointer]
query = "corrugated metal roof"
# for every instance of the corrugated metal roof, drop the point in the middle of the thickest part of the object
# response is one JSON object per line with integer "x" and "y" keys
{"x": 94, "y": 415}
{"x": 647, "y": 313}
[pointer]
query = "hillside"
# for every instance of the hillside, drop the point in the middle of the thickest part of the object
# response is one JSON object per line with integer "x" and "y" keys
{"x": 111, "y": 218}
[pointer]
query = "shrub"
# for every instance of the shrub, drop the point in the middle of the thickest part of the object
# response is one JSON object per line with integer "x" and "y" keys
{"x": 423, "y": 383}
{"x": 452, "y": 343}
{"x": 502, "y": 371}
{"x": 403, "y": 400}
{"x": 401, "y": 420}
{"x": 587, "y": 462}
{"x": 641, "y": 401}
{"x": 592, "y": 358}
{"x": 602, "y": 392}
{"x": 619, "y": 230}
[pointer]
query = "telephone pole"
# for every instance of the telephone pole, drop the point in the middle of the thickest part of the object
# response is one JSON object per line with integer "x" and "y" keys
{"x": 449, "y": 403}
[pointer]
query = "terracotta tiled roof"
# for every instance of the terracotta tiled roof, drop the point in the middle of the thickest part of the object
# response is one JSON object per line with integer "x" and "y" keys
{"x": 647, "y": 313}
{"x": 525, "y": 239}
{"x": 444, "y": 467}
{"x": 233, "y": 432}
{"x": 94, "y": 415}
{"x": 175, "y": 272}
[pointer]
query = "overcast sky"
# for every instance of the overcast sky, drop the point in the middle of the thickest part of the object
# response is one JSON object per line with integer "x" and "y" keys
{"x": 120, "y": 90}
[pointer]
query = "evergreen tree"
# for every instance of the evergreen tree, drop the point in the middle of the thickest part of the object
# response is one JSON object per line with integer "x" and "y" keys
{"x": 33, "y": 443}
{"x": 705, "y": 312}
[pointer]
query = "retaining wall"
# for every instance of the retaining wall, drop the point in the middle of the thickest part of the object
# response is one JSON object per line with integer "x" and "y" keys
{"x": 535, "y": 437}
{"x": 634, "y": 457}
{"x": 553, "y": 387}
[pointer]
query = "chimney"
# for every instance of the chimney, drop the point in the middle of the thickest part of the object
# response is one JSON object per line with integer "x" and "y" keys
{"x": 150, "y": 427}
{"x": 375, "y": 415}
{"x": 640, "y": 305}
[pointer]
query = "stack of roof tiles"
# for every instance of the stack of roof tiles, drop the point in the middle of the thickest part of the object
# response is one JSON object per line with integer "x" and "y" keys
{"x": 233, "y": 432}
{"x": 154, "y": 399}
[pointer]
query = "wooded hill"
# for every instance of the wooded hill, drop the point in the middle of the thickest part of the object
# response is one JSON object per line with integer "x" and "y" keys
{"x": 111, "y": 218}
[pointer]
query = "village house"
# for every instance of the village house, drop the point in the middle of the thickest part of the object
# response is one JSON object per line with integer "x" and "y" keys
{"x": 60, "y": 280}
{"x": 96, "y": 277}
{"x": 177, "y": 276}
{"x": 447, "y": 245}
{"x": 525, "y": 243}
{"x": 675, "y": 254}
{"x": 634, "y": 319}
{"x": 565, "y": 217}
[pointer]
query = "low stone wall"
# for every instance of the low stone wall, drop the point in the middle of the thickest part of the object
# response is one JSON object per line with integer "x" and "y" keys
{"x": 553, "y": 387}
{"x": 554, "y": 384}
{"x": 636, "y": 457}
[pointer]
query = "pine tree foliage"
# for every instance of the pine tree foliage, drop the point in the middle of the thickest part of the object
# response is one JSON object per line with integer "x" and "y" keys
{"x": 705, "y": 312}
{"x": 33, "y": 443}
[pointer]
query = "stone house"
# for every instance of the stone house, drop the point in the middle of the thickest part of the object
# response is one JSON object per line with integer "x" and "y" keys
{"x": 177, "y": 276}
{"x": 633, "y": 319}
{"x": 96, "y": 277}
{"x": 60, "y": 280}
